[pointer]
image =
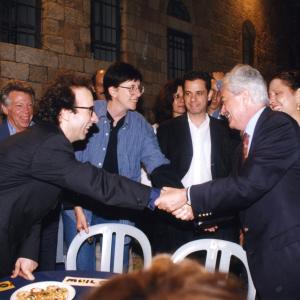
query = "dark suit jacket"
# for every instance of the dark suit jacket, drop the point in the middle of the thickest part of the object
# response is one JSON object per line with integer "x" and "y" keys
{"x": 176, "y": 143}
{"x": 4, "y": 131}
{"x": 265, "y": 190}
{"x": 34, "y": 166}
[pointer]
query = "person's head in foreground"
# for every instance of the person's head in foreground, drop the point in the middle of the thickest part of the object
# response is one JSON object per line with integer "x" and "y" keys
{"x": 165, "y": 280}
{"x": 284, "y": 93}
{"x": 244, "y": 92}
{"x": 68, "y": 103}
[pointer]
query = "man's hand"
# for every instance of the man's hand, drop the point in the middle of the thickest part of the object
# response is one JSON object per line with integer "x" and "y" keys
{"x": 171, "y": 199}
{"x": 24, "y": 268}
{"x": 81, "y": 222}
{"x": 184, "y": 213}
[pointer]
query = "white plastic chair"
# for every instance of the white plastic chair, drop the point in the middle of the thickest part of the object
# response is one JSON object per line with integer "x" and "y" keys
{"x": 107, "y": 231}
{"x": 212, "y": 247}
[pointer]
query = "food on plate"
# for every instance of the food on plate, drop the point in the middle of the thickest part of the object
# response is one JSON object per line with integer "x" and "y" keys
{"x": 51, "y": 292}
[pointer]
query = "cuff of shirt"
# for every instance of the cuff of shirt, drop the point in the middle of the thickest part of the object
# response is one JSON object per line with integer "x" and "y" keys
{"x": 188, "y": 196}
{"x": 154, "y": 194}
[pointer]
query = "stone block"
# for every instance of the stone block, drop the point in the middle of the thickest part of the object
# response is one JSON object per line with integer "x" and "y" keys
{"x": 39, "y": 91}
{"x": 37, "y": 73}
{"x": 70, "y": 63}
{"x": 70, "y": 48}
{"x": 92, "y": 65}
{"x": 14, "y": 70}
{"x": 53, "y": 10}
{"x": 51, "y": 27}
{"x": 35, "y": 56}
{"x": 85, "y": 35}
{"x": 7, "y": 51}
{"x": 74, "y": 16}
{"x": 54, "y": 43}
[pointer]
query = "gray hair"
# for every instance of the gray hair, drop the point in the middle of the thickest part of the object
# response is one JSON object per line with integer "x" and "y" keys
{"x": 16, "y": 85}
{"x": 244, "y": 77}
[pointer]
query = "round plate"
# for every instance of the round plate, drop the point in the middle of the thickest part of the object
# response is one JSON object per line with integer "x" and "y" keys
{"x": 43, "y": 285}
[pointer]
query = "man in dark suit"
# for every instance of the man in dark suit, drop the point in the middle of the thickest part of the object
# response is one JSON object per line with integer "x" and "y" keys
{"x": 264, "y": 189}
{"x": 37, "y": 163}
{"x": 199, "y": 149}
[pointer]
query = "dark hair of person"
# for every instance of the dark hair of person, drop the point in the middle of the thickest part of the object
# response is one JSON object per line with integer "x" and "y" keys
{"x": 194, "y": 75}
{"x": 166, "y": 280}
{"x": 163, "y": 108}
{"x": 291, "y": 79}
{"x": 16, "y": 85}
{"x": 60, "y": 95}
{"x": 118, "y": 73}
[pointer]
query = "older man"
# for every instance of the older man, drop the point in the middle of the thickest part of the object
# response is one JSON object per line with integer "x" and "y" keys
{"x": 264, "y": 189}
{"x": 17, "y": 105}
{"x": 37, "y": 163}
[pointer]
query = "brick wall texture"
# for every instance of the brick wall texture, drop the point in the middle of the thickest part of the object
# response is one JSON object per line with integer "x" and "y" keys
{"x": 216, "y": 27}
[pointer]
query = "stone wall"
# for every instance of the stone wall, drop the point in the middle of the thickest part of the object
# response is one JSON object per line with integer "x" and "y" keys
{"x": 216, "y": 26}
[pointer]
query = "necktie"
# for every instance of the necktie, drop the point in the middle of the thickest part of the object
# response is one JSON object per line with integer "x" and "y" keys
{"x": 245, "y": 145}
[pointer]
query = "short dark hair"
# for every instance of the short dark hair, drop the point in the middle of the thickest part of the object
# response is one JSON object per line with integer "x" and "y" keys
{"x": 164, "y": 101}
{"x": 291, "y": 78}
{"x": 16, "y": 85}
{"x": 60, "y": 96}
{"x": 194, "y": 75}
{"x": 117, "y": 73}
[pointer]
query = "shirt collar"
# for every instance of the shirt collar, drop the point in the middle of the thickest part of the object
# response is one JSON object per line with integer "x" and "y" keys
{"x": 252, "y": 123}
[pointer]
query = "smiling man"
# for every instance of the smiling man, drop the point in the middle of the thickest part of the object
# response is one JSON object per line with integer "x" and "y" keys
{"x": 38, "y": 162}
{"x": 124, "y": 141}
{"x": 264, "y": 188}
{"x": 17, "y": 105}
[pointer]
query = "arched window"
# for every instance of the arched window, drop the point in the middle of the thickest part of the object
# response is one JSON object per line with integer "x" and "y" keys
{"x": 177, "y": 9}
{"x": 249, "y": 35}
{"x": 20, "y": 22}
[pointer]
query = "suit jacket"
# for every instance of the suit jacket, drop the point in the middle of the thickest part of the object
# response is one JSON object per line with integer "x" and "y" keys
{"x": 34, "y": 166}
{"x": 4, "y": 131}
{"x": 265, "y": 190}
{"x": 176, "y": 143}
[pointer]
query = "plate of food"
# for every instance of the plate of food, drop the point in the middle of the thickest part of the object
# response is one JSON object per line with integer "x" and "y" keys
{"x": 44, "y": 290}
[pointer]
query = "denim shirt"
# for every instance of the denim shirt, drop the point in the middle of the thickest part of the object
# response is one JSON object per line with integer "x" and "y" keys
{"x": 137, "y": 143}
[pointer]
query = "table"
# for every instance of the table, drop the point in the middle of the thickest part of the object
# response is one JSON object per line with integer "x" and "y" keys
{"x": 54, "y": 276}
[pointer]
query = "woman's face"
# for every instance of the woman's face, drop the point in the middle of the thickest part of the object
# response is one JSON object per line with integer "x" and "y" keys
{"x": 178, "y": 103}
{"x": 282, "y": 97}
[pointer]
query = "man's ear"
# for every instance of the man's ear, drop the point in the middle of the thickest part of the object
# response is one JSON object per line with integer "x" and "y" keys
{"x": 297, "y": 95}
{"x": 210, "y": 94}
{"x": 4, "y": 109}
{"x": 65, "y": 114}
{"x": 112, "y": 91}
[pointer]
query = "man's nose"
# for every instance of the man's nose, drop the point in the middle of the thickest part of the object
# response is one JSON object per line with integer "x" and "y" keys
{"x": 94, "y": 118}
{"x": 223, "y": 110}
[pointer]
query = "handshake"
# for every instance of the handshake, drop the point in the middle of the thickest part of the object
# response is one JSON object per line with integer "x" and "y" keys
{"x": 175, "y": 201}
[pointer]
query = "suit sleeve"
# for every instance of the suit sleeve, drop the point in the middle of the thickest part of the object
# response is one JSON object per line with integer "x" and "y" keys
{"x": 274, "y": 150}
{"x": 54, "y": 162}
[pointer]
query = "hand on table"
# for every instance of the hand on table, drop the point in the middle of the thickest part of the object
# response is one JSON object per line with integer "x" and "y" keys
{"x": 24, "y": 268}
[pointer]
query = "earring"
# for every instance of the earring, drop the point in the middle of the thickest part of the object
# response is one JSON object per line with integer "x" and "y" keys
{"x": 298, "y": 107}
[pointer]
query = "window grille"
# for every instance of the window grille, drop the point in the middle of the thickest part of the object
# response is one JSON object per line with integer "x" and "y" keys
{"x": 180, "y": 53}
{"x": 105, "y": 29}
{"x": 20, "y": 22}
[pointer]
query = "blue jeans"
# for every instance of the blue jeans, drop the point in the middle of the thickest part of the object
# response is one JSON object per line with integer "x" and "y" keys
{"x": 86, "y": 258}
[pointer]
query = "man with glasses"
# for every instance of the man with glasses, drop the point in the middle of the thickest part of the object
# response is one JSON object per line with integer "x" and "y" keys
{"x": 123, "y": 142}
{"x": 38, "y": 162}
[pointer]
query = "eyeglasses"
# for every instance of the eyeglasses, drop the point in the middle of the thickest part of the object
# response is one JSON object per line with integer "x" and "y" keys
{"x": 133, "y": 89}
{"x": 91, "y": 108}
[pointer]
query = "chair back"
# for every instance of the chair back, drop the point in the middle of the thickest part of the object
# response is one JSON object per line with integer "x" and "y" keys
{"x": 213, "y": 247}
{"x": 107, "y": 231}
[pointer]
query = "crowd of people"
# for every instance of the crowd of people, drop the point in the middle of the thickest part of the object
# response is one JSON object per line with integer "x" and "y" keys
{"x": 222, "y": 161}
